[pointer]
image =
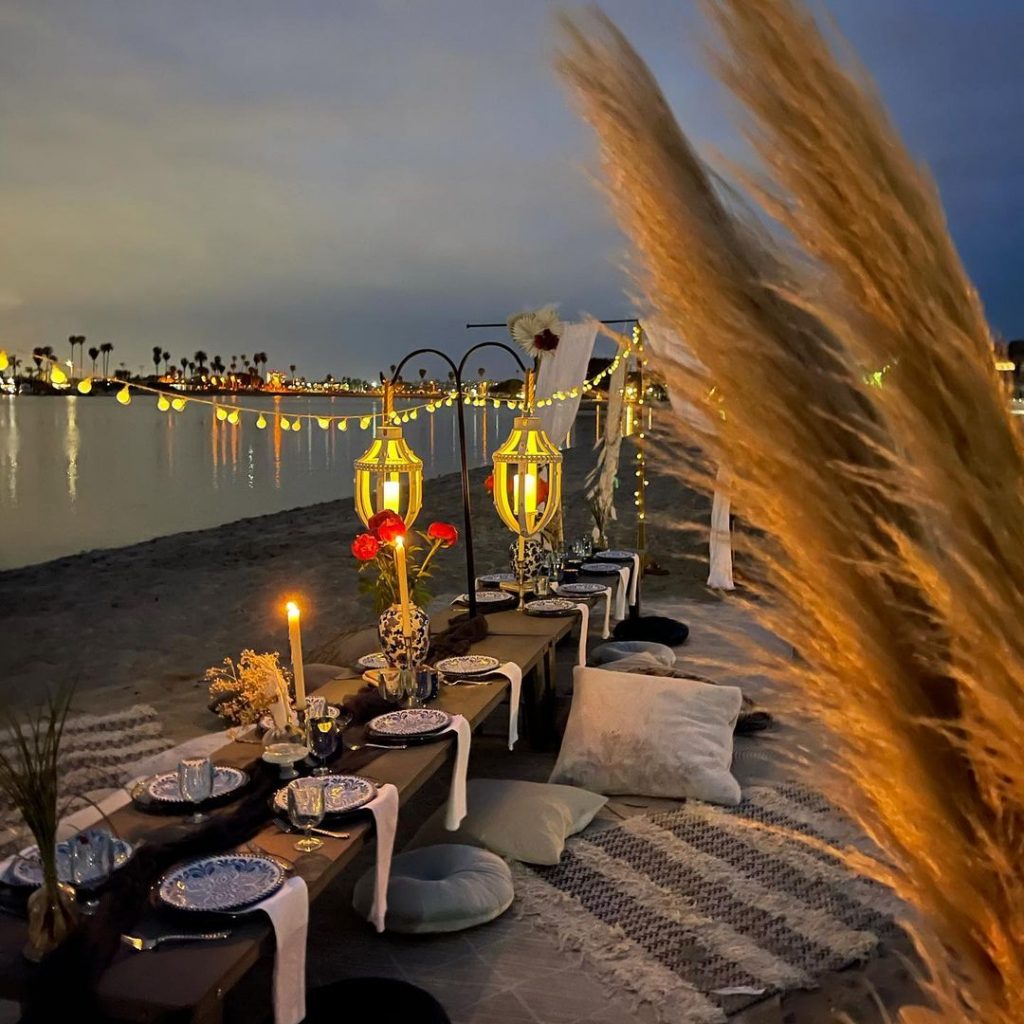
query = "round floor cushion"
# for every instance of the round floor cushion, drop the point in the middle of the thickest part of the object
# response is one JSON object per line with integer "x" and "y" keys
{"x": 619, "y": 649}
{"x": 441, "y": 889}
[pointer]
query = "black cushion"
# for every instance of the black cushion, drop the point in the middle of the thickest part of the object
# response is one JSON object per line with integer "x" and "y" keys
{"x": 655, "y": 628}
{"x": 369, "y": 998}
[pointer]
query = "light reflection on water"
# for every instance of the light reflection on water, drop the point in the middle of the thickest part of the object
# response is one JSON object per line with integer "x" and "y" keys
{"x": 81, "y": 473}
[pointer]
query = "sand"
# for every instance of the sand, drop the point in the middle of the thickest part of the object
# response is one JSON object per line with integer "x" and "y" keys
{"x": 140, "y": 624}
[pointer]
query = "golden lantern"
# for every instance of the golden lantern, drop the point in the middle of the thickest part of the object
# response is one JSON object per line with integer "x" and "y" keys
{"x": 389, "y": 475}
{"x": 527, "y": 474}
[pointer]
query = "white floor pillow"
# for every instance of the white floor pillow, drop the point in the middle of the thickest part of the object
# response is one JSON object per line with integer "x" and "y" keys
{"x": 650, "y": 736}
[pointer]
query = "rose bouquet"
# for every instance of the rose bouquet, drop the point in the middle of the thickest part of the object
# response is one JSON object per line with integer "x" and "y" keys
{"x": 375, "y": 552}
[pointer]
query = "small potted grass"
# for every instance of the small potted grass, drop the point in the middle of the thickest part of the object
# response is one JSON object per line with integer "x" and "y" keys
{"x": 29, "y": 776}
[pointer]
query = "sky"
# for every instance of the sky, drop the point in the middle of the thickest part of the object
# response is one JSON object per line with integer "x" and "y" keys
{"x": 336, "y": 182}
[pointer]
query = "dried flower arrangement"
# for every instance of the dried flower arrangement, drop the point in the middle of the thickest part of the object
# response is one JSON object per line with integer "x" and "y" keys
{"x": 890, "y": 544}
{"x": 243, "y": 693}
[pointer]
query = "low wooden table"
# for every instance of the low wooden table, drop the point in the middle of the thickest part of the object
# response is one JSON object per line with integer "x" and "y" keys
{"x": 202, "y": 982}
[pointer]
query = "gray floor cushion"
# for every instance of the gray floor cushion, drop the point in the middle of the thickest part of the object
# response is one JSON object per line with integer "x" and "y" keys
{"x": 442, "y": 888}
{"x": 618, "y": 649}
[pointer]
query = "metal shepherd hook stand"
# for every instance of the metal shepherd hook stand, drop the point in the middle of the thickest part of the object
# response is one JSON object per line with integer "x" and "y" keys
{"x": 467, "y": 520}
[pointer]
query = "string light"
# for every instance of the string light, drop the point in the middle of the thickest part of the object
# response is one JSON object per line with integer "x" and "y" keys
{"x": 261, "y": 422}
{"x": 297, "y": 424}
{"x": 85, "y": 386}
{"x": 233, "y": 417}
{"x": 162, "y": 404}
{"x": 177, "y": 404}
{"x": 222, "y": 413}
{"x": 343, "y": 424}
{"x": 286, "y": 424}
{"x": 4, "y": 361}
{"x": 124, "y": 396}
{"x": 324, "y": 422}
{"x": 58, "y": 376}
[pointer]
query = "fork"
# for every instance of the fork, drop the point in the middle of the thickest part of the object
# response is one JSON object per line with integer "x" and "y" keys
{"x": 143, "y": 944}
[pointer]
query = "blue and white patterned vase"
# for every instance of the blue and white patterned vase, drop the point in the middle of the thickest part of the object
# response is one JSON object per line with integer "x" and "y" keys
{"x": 533, "y": 558}
{"x": 392, "y": 641}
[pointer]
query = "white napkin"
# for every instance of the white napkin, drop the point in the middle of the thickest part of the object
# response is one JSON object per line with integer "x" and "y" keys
{"x": 634, "y": 583}
{"x": 457, "y": 792}
{"x": 584, "y": 610}
{"x": 620, "y": 594}
{"x": 514, "y": 674}
{"x": 288, "y": 910}
{"x": 606, "y": 630}
{"x": 384, "y": 808}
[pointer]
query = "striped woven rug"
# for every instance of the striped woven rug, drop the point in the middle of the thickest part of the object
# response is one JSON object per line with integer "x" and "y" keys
{"x": 704, "y": 910}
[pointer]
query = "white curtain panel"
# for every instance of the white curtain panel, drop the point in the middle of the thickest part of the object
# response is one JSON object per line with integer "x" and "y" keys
{"x": 603, "y": 489}
{"x": 561, "y": 370}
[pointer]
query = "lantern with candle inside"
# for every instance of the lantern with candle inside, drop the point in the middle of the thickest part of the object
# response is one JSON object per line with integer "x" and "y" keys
{"x": 527, "y": 484}
{"x": 389, "y": 474}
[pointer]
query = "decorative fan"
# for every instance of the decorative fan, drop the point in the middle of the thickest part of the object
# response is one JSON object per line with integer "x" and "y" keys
{"x": 537, "y": 331}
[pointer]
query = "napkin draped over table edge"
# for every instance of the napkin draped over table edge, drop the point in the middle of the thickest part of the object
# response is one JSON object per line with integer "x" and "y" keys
{"x": 288, "y": 910}
{"x": 457, "y": 806}
{"x": 384, "y": 808}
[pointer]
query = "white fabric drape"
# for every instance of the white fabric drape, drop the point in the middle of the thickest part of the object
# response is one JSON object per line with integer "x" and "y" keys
{"x": 602, "y": 481}
{"x": 562, "y": 370}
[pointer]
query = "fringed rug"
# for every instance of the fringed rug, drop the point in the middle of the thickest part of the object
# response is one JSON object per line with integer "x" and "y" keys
{"x": 704, "y": 910}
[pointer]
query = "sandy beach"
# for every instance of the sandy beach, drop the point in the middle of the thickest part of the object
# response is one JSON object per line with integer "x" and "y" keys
{"x": 140, "y": 624}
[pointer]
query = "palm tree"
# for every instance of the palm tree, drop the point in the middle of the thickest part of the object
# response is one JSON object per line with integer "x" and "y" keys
{"x": 191, "y": 368}
{"x": 158, "y": 354}
{"x": 94, "y": 354}
{"x": 423, "y": 375}
{"x": 167, "y": 361}
{"x": 75, "y": 340}
{"x": 106, "y": 348}
{"x": 217, "y": 365}
{"x": 37, "y": 358}
{"x": 234, "y": 363}
{"x": 14, "y": 363}
{"x": 292, "y": 368}
{"x": 200, "y": 357}
{"x": 184, "y": 365}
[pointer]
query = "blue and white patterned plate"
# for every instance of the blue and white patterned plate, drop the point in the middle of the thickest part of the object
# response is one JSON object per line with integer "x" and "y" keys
{"x": 376, "y": 660}
{"x": 487, "y": 597}
{"x": 600, "y": 568}
{"x": 341, "y": 793}
{"x": 226, "y": 882}
{"x": 582, "y": 589}
{"x": 616, "y": 556}
{"x": 550, "y": 606}
{"x": 164, "y": 787}
{"x": 467, "y": 665}
{"x": 410, "y": 722}
{"x": 26, "y": 870}
{"x": 495, "y": 579}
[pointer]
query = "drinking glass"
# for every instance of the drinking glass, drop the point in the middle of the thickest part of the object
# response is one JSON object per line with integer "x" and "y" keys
{"x": 195, "y": 780}
{"x": 92, "y": 862}
{"x": 542, "y": 584}
{"x": 323, "y": 737}
{"x": 306, "y": 810}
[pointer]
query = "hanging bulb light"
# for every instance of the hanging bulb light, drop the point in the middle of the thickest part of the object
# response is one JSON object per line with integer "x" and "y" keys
{"x": 323, "y": 422}
{"x": 124, "y": 396}
{"x": 85, "y": 386}
{"x": 233, "y": 417}
{"x": 4, "y": 361}
{"x": 343, "y": 424}
{"x": 261, "y": 422}
{"x": 58, "y": 376}
{"x": 364, "y": 423}
{"x": 162, "y": 404}
{"x": 177, "y": 404}
{"x": 297, "y": 424}
{"x": 286, "y": 424}
{"x": 222, "y": 413}
{"x": 389, "y": 474}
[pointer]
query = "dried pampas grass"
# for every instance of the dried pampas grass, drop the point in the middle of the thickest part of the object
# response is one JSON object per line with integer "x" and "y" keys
{"x": 893, "y": 520}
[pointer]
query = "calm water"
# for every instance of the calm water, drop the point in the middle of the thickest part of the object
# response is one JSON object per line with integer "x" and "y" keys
{"x": 78, "y": 473}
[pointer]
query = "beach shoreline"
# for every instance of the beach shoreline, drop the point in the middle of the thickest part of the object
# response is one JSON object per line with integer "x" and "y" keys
{"x": 141, "y": 623}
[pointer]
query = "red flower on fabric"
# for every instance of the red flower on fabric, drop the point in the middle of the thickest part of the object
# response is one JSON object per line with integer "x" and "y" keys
{"x": 365, "y": 547}
{"x": 546, "y": 341}
{"x": 444, "y": 532}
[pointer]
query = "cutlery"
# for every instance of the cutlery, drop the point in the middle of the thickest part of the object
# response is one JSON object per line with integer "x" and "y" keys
{"x": 378, "y": 746}
{"x": 286, "y": 826}
{"x": 143, "y": 944}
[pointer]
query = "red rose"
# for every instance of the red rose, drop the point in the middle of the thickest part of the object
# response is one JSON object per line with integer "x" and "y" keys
{"x": 444, "y": 532}
{"x": 546, "y": 341}
{"x": 380, "y": 518}
{"x": 391, "y": 529}
{"x": 489, "y": 484}
{"x": 365, "y": 547}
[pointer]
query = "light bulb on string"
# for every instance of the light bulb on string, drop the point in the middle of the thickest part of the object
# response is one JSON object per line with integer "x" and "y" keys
{"x": 286, "y": 424}
{"x": 343, "y": 424}
{"x": 85, "y": 386}
{"x": 178, "y": 404}
{"x": 405, "y": 417}
{"x": 233, "y": 417}
{"x": 124, "y": 396}
{"x": 297, "y": 424}
{"x": 4, "y": 361}
{"x": 364, "y": 423}
{"x": 324, "y": 422}
{"x": 222, "y": 414}
{"x": 413, "y": 414}
{"x": 58, "y": 376}
{"x": 162, "y": 404}
{"x": 261, "y": 422}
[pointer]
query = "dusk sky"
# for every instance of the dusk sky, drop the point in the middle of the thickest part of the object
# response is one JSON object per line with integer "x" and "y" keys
{"x": 338, "y": 181}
